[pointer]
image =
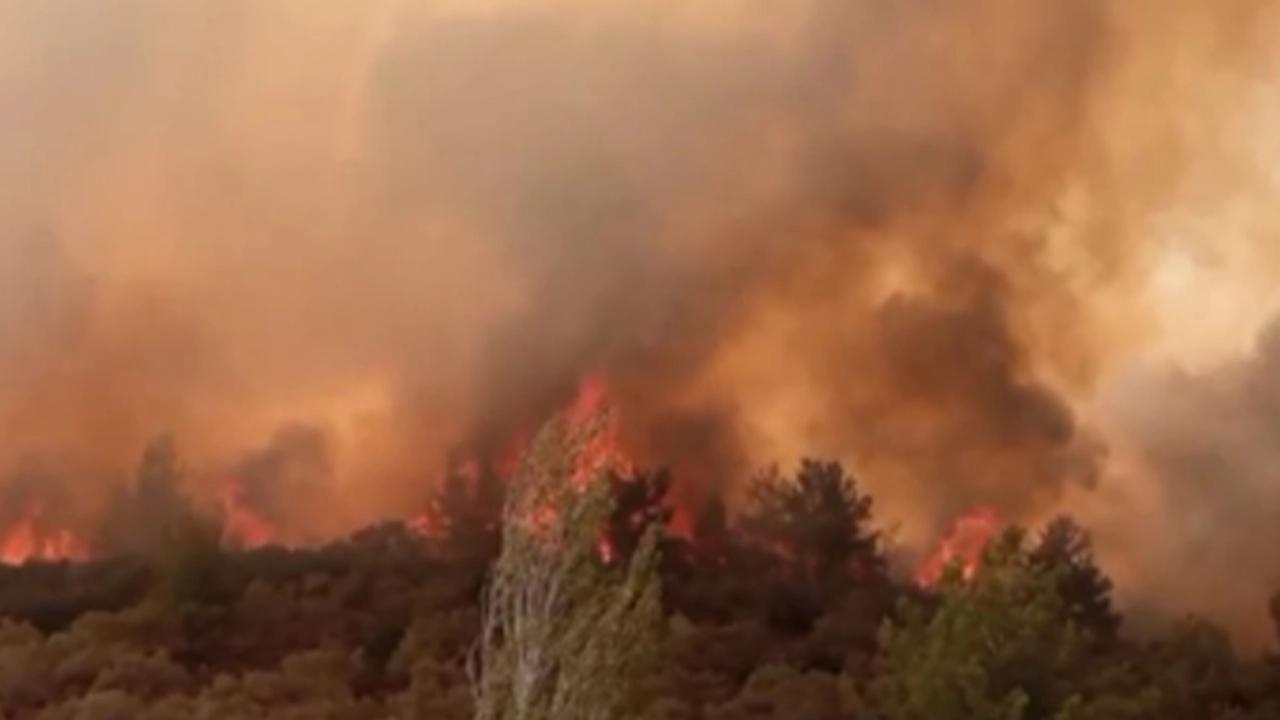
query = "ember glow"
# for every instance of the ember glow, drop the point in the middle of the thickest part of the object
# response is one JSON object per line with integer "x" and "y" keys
{"x": 986, "y": 253}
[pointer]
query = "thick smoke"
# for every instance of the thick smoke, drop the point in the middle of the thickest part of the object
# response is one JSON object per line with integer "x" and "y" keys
{"x": 338, "y": 244}
{"x": 1206, "y": 442}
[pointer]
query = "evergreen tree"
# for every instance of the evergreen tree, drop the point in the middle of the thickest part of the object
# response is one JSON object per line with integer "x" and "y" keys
{"x": 818, "y": 520}
{"x": 816, "y": 529}
{"x": 1002, "y": 646}
{"x": 151, "y": 513}
{"x": 1065, "y": 548}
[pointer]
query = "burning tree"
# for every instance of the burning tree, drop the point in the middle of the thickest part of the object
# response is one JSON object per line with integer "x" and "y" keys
{"x": 567, "y": 622}
{"x": 1002, "y": 643}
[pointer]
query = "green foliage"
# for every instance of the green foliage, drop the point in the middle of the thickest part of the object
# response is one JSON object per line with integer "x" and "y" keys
{"x": 1001, "y": 647}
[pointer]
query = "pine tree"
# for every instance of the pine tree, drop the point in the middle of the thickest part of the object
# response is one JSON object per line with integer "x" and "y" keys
{"x": 816, "y": 528}
{"x": 819, "y": 520}
{"x": 1065, "y": 548}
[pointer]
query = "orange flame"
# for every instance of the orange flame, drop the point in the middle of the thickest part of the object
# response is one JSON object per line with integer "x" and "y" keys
{"x": 604, "y": 452}
{"x": 26, "y": 541}
{"x": 963, "y": 546}
{"x": 242, "y": 527}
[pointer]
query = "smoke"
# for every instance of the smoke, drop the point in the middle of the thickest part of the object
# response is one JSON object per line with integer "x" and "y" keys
{"x": 922, "y": 237}
{"x": 1200, "y": 535}
{"x": 288, "y": 485}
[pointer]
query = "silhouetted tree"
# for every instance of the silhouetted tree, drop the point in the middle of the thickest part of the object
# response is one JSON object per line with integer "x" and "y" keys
{"x": 639, "y": 503}
{"x": 819, "y": 521}
{"x": 1065, "y": 549}
{"x": 151, "y": 512}
{"x": 469, "y": 506}
{"x": 816, "y": 526}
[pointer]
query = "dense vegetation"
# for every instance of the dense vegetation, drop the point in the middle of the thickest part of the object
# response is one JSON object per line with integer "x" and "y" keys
{"x": 786, "y": 611}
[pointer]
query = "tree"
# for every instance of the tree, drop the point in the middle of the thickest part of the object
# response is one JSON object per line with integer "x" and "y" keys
{"x": 564, "y": 633}
{"x": 183, "y": 547}
{"x": 152, "y": 512}
{"x": 469, "y": 504}
{"x": 193, "y": 568}
{"x": 1065, "y": 549}
{"x": 638, "y": 503}
{"x": 817, "y": 528}
{"x": 819, "y": 520}
{"x": 1198, "y": 671}
{"x": 1002, "y": 646}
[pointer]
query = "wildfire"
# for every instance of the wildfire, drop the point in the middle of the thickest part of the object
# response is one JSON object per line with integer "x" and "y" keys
{"x": 25, "y": 541}
{"x": 964, "y": 546}
{"x": 604, "y": 451}
{"x": 241, "y": 525}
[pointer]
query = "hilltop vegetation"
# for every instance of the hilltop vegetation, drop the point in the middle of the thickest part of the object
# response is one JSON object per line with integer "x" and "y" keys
{"x": 788, "y": 610}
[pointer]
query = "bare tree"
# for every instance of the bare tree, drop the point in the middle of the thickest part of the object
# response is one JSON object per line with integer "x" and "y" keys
{"x": 566, "y": 625}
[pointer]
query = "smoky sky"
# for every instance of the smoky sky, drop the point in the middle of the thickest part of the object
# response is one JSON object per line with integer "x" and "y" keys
{"x": 1208, "y": 438}
{"x": 339, "y": 244}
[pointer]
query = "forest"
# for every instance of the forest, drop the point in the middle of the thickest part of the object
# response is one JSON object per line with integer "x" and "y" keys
{"x": 785, "y": 608}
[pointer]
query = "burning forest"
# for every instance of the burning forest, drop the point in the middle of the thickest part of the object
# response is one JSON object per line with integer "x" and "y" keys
{"x": 863, "y": 330}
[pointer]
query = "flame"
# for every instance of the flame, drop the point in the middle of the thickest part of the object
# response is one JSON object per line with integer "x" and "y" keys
{"x": 601, "y": 452}
{"x": 590, "y": 418}
{"x": 604, "y": 451}
{"x": 591, "y": 403}
{"x": 964, "y": 546}
{"x": 26, "y": 541}
{"x": 242, "y": 527}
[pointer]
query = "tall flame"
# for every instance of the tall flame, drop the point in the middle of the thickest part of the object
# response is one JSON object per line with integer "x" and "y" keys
{"x": 963, "y": 546}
